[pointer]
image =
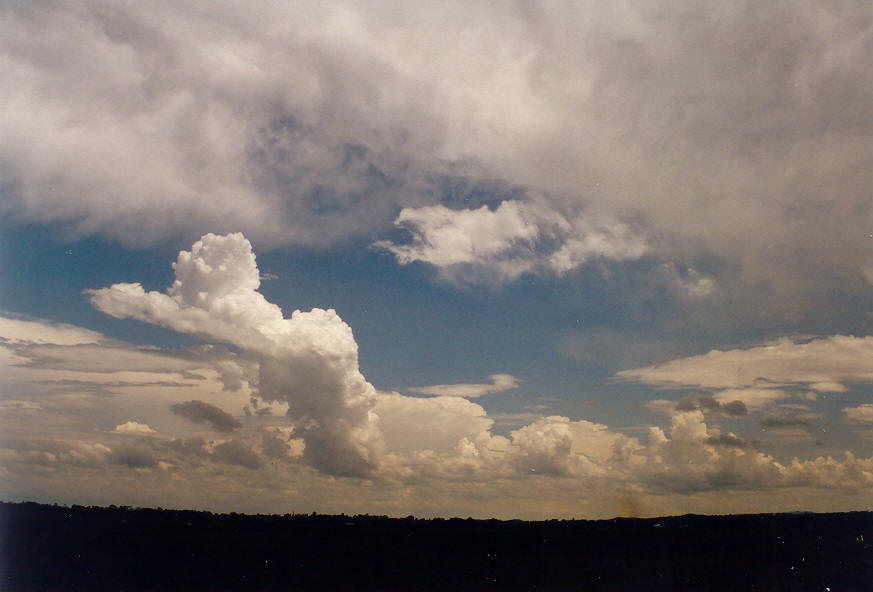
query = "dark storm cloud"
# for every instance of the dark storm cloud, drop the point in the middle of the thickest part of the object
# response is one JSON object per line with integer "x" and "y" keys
{"x": 202, "y": 412}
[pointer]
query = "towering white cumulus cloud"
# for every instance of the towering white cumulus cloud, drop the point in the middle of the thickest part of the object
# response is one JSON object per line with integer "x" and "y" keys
{"x": 309, "y": 360}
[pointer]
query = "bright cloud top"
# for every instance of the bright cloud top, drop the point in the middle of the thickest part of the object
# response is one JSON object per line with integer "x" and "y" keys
{"x": 133, "y": 427}
{"x": 499, "y": 245}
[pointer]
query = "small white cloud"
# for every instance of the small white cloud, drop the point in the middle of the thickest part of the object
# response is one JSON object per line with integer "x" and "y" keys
{"x": 133, "y": 427}
{"x": 499, "y": 383}
{"x": 498, "y": 246}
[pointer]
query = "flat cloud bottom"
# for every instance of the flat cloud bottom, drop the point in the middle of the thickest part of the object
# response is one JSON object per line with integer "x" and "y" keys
{"x": 119, "y": 548}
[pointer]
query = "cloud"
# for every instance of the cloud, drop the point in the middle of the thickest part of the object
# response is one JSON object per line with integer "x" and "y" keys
{"x": 703, "y": 403}
{"x": 202, "y": 412}
{"x": 696, "y": 458}
{"x": 759, "y": 373}
{"x": 778, "y": 422}
{"x": 735, "y": 409}
{"x": 275, "y": 446}
{"x": 689, "y": 284}
{"x": 306, "y": 124}
{"x": 433, "y": 423}
{"x": 134, "y": 456}
{"x": 39, "y": 331}
{"x": 558, "y": 446}
{"x": 727, "y": 440}
{"x": 133, "y": 427}
{"x": 343, "y": 441}
{"x": 309, "y": 360}
{"x": 499, "y": 383}
{"x": 51, "y": 452}
{"x": 496, "y": 246}
{"x": 93, "y": 358}
{"x": 235, "y": 452}
{"x": 71, "y": 355}
{"x": 101, "y": 384}
{"x": 861, "y": 414}
{"x": 753, "y": 399}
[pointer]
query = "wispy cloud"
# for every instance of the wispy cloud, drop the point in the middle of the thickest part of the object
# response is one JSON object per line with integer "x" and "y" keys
{"x": 499, "y": 383}
{"x": 826, "y": 364}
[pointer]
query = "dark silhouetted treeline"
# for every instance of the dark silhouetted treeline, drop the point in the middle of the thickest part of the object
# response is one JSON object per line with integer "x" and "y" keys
{"x": 54, "y": 548}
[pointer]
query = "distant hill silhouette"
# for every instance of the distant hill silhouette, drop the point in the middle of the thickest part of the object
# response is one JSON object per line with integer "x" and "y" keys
{"x": 53, "y": 548}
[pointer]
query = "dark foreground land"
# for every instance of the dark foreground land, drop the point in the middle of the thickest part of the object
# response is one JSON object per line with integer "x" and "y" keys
{"x": 53, "y": 548}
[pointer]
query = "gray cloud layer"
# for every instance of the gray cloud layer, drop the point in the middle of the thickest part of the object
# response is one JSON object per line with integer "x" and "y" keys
{"x": 741, "y": 130}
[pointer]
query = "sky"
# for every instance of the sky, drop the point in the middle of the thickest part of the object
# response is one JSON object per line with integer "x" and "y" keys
{"x": 489, "y": 259}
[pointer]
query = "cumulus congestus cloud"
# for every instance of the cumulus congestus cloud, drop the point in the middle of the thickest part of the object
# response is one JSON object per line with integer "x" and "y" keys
{"x": 309, "y": 360}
